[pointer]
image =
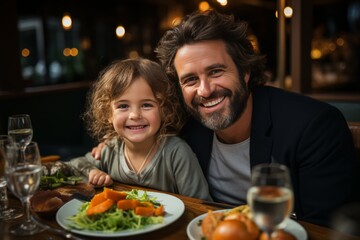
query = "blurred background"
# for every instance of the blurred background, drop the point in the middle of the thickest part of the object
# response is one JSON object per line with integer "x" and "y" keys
{"x": 51, "y": 52}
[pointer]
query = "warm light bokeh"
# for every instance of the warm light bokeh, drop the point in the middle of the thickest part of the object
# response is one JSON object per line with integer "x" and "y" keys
{"x": 222, "y": 2}
{"x": 288, "y": 12}
{"x": 74, "y": 52}
{"x": 70, "y": 52}
{"x": 66, "y": 22}
{"x": 25, "y": 52}
{"x": 203, "y": 6}
{"x": 120, "y": 31}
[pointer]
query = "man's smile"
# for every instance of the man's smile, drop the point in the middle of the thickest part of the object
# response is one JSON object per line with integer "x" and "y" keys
{"x": 213, "y": 102}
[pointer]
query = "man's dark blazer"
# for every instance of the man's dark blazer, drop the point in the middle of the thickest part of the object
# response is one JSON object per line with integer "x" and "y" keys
{"x": 309, "y": 136}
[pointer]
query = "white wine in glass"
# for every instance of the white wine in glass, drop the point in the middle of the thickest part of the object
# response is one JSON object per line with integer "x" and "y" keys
{"x": 270, "y": 196}
{"x": 20, "y": 130}
{"x": 23, "y": 177}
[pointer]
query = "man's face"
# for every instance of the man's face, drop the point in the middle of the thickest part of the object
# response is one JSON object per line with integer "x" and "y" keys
{"x": 210, "y": 83}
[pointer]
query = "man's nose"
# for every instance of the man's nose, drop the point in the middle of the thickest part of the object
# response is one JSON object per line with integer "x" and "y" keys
{"x": 205, "y": 88}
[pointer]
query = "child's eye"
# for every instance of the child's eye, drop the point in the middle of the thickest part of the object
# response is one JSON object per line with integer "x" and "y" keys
{"x": 147, "y": 105}
{"x": 122, "y": 106}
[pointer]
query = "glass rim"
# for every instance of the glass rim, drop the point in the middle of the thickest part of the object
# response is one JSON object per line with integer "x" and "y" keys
{"x": 19, "y": 115}
{"x": 4, "y": 136}
{"x": 272, "y": 164}
{"x": 31, "y": 144}
{"x": 265, "y": 168}
{"x": 4, "y": 140}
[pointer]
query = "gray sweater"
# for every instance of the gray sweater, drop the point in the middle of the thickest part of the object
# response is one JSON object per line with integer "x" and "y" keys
{"x": 174, "y": 168}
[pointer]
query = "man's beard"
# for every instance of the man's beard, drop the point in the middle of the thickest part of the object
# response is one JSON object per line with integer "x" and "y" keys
{"x": 219, "y": 120}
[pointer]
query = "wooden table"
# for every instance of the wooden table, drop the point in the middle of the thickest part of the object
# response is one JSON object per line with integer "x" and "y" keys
{"x": 175, "y": 231}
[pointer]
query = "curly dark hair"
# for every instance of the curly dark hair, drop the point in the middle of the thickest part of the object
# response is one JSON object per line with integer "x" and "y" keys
{"x": 114, "y": 80}
{"x": 211, "y": 25}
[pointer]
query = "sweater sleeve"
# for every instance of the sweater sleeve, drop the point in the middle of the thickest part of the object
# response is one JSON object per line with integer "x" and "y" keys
{"x": 83, "y": 165}
{"x": 188, "y": 175}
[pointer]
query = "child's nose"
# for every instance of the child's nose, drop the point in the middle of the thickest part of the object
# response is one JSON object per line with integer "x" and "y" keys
{"x": 135, "y": 115}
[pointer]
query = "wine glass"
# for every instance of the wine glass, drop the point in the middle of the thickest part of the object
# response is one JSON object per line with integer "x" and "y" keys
{"x": 6, "y": 213}
{"x": 20, "y": 130}
{"x": 270, "y": 196}
{"x": 23, "y": 178}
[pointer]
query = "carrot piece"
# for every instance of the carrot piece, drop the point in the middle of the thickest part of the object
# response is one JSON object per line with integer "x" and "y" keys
{"x": 147, "y": 204}
{"x": 128, "y": 204}
{"x": 114, "y": 195}
{"x": 97, "y": 199}
{"x": 100, "y": 208}
{"x": 145, "y": 211}
{"x": 160, "y": 211}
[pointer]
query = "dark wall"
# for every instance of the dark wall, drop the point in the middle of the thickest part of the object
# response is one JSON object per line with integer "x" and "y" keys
{"x": 56, "y": 119}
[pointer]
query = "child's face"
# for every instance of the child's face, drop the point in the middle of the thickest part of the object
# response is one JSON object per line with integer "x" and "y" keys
{"x": 135, "y": 113}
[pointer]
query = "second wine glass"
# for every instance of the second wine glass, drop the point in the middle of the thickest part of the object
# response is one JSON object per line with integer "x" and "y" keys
{"x": 6, "y": 213}
{"x": 270, "y": 196}
{"x": 20, "y": 130}
{"x": 23, "y": 177}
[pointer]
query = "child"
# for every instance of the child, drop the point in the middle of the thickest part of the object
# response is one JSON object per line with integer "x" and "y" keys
{"x": 136, "y": 107}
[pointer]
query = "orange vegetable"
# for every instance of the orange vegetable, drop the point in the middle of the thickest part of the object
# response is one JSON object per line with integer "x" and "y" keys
{"x": 114, "y": 195}
{"x": 147, "y": 204}
{"x": 103, "y": 201}
{"x": 97, "y": 199}
{"x": 160, "y": 211}
{"x": 145, "y": 211}
{"x": 128, "y": 204}
{"x": 100, "y": 208}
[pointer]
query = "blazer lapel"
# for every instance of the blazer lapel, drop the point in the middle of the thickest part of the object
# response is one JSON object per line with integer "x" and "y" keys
{"x": 261, "y": 140}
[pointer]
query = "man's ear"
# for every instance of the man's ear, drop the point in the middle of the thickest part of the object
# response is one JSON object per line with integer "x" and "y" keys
{"x": 247, "y": 76}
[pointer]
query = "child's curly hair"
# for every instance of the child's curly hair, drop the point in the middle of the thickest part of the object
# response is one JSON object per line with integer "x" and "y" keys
{"x": 114, "y": 80}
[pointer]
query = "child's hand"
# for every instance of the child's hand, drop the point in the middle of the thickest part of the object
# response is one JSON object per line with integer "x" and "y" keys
{"x": 99, "y": 178}
{"x": 96, "y": 151}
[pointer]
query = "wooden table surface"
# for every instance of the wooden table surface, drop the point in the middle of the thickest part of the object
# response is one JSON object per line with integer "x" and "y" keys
{"x": 175, "y": 231}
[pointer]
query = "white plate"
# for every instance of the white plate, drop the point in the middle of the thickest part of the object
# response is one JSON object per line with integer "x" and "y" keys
{"x": 174, "y": 208}
{"x": 194, "y": 232}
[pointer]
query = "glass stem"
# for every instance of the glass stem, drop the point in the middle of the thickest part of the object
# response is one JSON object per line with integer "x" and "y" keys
{"x": 6, "y": 201}
{"x": 23, "y": 153}
{"x": 27, "y": 210}
{"x": 3, "y": 196}
{"x": 269, "y": 233}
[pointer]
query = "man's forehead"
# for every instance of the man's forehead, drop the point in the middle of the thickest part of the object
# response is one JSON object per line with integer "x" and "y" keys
{"x": 200, "y": 56}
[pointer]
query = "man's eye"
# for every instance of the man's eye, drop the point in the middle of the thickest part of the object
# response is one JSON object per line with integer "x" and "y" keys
{"x": 189, "y": 81}
{"x": 216, "y": 72}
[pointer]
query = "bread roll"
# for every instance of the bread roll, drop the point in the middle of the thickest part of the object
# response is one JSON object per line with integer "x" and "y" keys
{"x": 229, "y": 225}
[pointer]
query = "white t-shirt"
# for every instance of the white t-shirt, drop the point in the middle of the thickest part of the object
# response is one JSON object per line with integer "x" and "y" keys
{"x": 229, "y": 171}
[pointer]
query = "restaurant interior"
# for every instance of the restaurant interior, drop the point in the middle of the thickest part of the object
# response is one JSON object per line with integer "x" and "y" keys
{"x": 53, "y": 50}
